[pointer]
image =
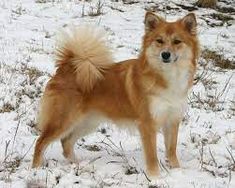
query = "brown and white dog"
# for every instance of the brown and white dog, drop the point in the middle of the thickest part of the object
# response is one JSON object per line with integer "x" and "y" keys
{"x": 149, "y": 92}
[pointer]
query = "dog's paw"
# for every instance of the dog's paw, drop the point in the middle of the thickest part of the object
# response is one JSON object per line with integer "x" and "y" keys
{"x": 72, "y": 158}
{"x": 157, "y": 183}
{"x": 173, "y": 163}
{"x": 38, "y": 163}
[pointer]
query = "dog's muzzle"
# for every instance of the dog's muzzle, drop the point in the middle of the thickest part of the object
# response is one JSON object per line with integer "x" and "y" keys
{"x": 168, "y": 57}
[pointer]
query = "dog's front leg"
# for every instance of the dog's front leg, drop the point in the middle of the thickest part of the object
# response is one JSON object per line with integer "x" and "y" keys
{"x": 148, "y": 135}
{"x": 170, "y": 137}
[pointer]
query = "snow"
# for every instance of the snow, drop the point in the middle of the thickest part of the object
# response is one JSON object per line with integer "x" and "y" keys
{"x": 110, "y": 157}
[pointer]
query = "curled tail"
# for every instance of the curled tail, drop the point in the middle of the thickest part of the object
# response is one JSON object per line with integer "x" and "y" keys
{"x": 85, "y": 48}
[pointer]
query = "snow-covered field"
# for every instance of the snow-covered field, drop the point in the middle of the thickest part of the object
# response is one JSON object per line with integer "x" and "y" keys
{"x": 111, "y": 157}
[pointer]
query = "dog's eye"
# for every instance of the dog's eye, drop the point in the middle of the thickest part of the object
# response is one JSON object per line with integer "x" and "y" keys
{"x": 176, "y": 41}
{"x": 160, "y": 41}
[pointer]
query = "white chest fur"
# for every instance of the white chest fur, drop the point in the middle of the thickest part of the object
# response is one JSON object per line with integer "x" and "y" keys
{"x": 162, "y": 108}
{"x": 170, "y": 103}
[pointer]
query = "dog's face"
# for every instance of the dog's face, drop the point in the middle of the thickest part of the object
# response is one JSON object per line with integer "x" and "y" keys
{"x": 167, "y": 43}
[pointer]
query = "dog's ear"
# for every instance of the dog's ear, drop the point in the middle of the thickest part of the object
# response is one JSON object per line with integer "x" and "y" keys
{"x": 151, "y": 21}
{"x": 190, "y": 23}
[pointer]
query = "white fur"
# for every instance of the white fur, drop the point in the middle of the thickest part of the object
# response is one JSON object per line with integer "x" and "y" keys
{"x": 94, "y": 119}
{"x": 170, "y": 103}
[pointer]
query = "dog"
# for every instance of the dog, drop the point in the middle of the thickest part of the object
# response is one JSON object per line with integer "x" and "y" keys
{"x": 148, "y": 93}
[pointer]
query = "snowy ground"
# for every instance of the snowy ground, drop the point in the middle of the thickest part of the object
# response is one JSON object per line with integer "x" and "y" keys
{"x": 112, "y": 157}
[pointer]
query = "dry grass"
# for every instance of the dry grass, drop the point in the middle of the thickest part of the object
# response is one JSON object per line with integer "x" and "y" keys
{"x": 213, "y": 98}
{"x": 19, "y": 10}
{"x": 41, "y": 1}
{"x": 22, "y": 97}
{"x": 224, "y": 18}
{"x": 7, "y": 107}
{"x": 130, "y": 2}
{"x": 210, "y": 102}
{"x": 46, "y": 1}
{"x": 28, "y": 89}
{"x": 218, "y": 59}
{"x": 187, "y": 7}
{"x": 232, "y": 108}
{"x": 206, "y": 3}
{"x": 117, "y": 150}
{"x": 206, "y": 78}
{"x": 97, "y": 10}
{"x": 230, "y": 9}
{"x": 116, "y": 8}
{"x": 32, "y": 73}
{"x": 221, "y": 19}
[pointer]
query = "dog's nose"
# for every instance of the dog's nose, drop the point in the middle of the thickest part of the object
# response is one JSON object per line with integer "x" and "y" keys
{"x": 166, "y": 56}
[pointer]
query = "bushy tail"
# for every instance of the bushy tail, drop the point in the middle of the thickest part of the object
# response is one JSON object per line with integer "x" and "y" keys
{"x": 85, "y": 48}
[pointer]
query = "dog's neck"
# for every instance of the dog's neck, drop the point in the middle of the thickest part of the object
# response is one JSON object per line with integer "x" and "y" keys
{"x": 171, "y": 77}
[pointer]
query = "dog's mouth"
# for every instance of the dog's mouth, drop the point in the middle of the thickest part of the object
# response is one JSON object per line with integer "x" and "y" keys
{"x": 176, "y": 58}
{"x": 170, "y": 60}
{"x": 166, "y": 61}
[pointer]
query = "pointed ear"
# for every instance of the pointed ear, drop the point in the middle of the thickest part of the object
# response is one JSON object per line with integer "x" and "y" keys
{"x": 151, "y": 21}
{"x": 190, "y": 23}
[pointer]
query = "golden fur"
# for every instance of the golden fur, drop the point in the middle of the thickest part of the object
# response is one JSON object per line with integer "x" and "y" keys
{"x": 88, "y": 88}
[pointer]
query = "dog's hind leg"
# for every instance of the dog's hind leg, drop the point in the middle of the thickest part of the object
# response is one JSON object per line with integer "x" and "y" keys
{"x": 43, "y": 141}
{"x": 68, "y": 145}
{"x": 50, "y": 134}
{"x": 88, "y": 124}
{"x": 56, "y": 120}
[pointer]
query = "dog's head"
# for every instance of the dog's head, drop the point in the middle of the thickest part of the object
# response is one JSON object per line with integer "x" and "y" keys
{"x": 168, "y": 43}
